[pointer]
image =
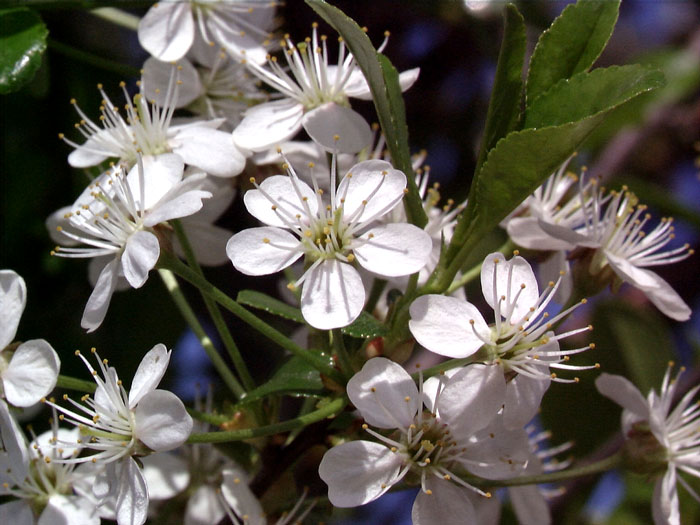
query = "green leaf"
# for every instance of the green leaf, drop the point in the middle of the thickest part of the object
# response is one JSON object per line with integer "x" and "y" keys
{"x": 22, "y": 43}
{"x": 588, "y": 94}
{"x": 365, "y": 327}
{"x": 504, "y": 108}
{"x": 269, "y": 304}
{"x": 386, "y": 94}
{"x": 572, "y": 44}
{"x": 295, "y": 376}
{"x": 641, "y": 339}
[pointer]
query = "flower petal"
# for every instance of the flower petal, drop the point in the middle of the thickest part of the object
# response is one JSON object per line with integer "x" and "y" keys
{"x": 443, "y": 325}
{"x": 370, "y": 189}
{"x": 394, "y": 249}
{"x": 159, "y": 174}
{"x": 291, "y": 197}
{"x": 332, "y": 296}
{"x": 13, "y": 297}
{"x": 262, "y": 251}
{"x": 239, "y": 496}
{"x": 161, "y": 421}
{"x": 385, "y": 394}
{"x": 665, "y": 505}
{"x": 514, "y": 280}
{"x": 167, "y": 30}
{"x": 208, "y": 149}
{"x": 139, "y": 257}
{"x": 156, "y": 77}
{"x": 69, "y": 510}
{"x": 149, "y": 373}
{"x": 624, "y": 393}
{"x": 523, "y": 397}
{"x": 659, "y": 292}
{"x": 447, "y": 503}
{"x": 96, "y": 307}
{"x": 472, "y": 398}
{"x": 359, "y": 472}
{"x": 31, "y": 374}
{"x": 16, "y": 512}
{"x": 132, "y": 494}
{"x": 204, "y": 507}
{"x": 526, "y": 232}
{"x": 166, "y": 475}
{"x": 14, "y": 443}
{"x": 530, "y": 506}
{"x": 268, "y": 124}
{"x": 337, "y": 129}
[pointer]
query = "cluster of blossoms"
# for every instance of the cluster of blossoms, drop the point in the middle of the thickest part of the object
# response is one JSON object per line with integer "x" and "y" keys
{"x": 336, "y": 206}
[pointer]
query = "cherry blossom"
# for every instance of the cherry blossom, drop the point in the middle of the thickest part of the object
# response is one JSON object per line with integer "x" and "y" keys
{"x": 330, "y": 235}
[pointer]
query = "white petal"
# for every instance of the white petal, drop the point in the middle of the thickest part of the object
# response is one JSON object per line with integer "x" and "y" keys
{"x": 656, "y": 289}
{"x": 332, "y": 296}
{"x": 204, "y": 507}
{"x": 68, "y": 510}
{"x": 149, "y": 373}
{"x": 208, "y": 242}
{"x": 359, "y": 472}
{"x": 13, "y": 297}
{"x": 16, "y": 512}
{"x": 526, "y": 232}
{"x": 447, "y": 504}
{"x": 31, "y": 374}
{"x": 160, "y": 174}
{"x": 550, "y": 270}
{"x": 177, "y": 204}
{"x": 268, "y": 124}
{"x": 357, "y": 86}
{"x": 166, "y": 475}
{"x": 161, "y": 421}
{"x": 394, "y": 249}
{"x": 665, "y": 505}
{"x": 373, "y": 185}
{"x": 291, "y": 197}
{"x": 472, "y": 398}
{"x": 96, "y": 307}
{"x": 132, "y": 494}
{"x": 523, "y": 397}
{"x": 14, "y": 442}
{"x": 43, "y": 445}
{"x": 139, "y": 257}
{"x": 94, "y": 150}
{"x": 251, "y": 255}
{"x": 380, "y": 392}
{"x": 567, "y": 235}
{"x": 624, "y": 393}
{"x": 156, "y": 77}
{"x": 239, "y": 496}
{"x": 442, "y": 325}
{"x": 167, "y": 30}
{"x": 208, "y": 149}
{"x": 337, "y": 129}
{"x": 433, "y": 385}
{"x": 514, "y": 279}
{"x": 530, "y": 506}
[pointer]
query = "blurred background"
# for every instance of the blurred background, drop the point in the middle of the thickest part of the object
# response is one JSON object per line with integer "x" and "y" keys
{"x": 650, "y": 144}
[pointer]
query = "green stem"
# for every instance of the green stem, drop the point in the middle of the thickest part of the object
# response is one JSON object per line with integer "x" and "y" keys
{"x": 327, "y": 411}
{"x": 316, "y": 359}
{"x": 375, "y": 293}
{"x": 93, "y": 60}
{"x": 609, "y": 463}
{"x": 214, "y": 312}
{"x": 341, "y": 352}
{"x": 465, "y": 278}
{"x": 212, "y": 419}
{"x": 118, "y": 17}
{"x": 180, "y": 301}
{"x": 71, "y": 383}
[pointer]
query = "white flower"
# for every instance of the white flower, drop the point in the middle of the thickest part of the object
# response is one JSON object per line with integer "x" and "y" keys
{"x": 520, "y": 340}
{"x": 659, "y": 438}
{"x": 622, "y": 241}
{"x": 29, "y": 370}
{"x": 314, "y": 96}
{"x": 121, "y": 425}
{"x": 47, "y": 490}
{"x": 213, "y": 85}
{"x": 330, "y": 235}
{"x": 148, "y": 131}
{"x": 170, "y": 27}
{"x": 448, "y": 426}
{"x": 115, "y": 220}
